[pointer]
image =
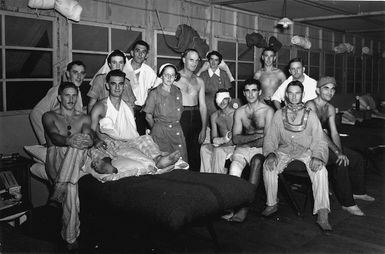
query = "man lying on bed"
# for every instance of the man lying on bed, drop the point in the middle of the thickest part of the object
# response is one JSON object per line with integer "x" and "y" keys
{"x": 68, "y": 134}
{"x": 114, "y": 124}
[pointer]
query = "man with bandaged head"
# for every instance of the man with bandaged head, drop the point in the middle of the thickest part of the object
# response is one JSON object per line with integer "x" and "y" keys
{"x": 214, "y": 155}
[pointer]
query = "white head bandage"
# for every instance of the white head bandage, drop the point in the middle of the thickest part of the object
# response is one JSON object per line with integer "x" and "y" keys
{"x": 220, "y": 96}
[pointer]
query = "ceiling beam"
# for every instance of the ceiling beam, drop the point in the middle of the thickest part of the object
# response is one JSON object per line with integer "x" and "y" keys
{"x": 358, "y": 15}
{"x": 366, "y": 30}
{"x": 225, "y": 2}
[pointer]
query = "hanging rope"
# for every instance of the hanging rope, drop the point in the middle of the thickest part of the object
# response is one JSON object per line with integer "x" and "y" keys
{"x": 164, "y": 35}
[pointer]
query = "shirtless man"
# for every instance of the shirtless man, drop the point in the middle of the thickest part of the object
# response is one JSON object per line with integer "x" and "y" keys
{"x": 296, "y": 134}
{"x": 194, "y": 116}
{"x": 114, "y": 123}
{"x": 213, "y": 156}
{"x": 68, "y": 134}
{"x": 345, "y": 164}
{"x": 251, "y": 122}
{"x": 75, "y": 73}
{"x": 65, "y": 126}
{"x": 269, "y": 76}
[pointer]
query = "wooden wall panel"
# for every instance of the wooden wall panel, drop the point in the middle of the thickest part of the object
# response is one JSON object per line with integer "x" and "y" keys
{"x": 223, "y": 23}
{"x": 299, "y": 29}
{"x": 22, "y": 6}
{"x": 266, "y": 26}
{"x": 245, "y": 25}
{"x": 131, "y": 12}
{"x": 169, "y": 13}
{"x": 327, "y": 40}
{"x": 314, "y": 37}
{"x": 349, "y": 39}
{"x": 174, "y": 12}
{"x": 338, "y": 38}
{"x": 198, "y": 16}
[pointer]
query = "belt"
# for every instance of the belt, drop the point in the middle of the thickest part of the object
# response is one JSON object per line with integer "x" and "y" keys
{"x": 169, "y": 125}
{"x": 137, "y": 108}
{"x": 191, "y": 107}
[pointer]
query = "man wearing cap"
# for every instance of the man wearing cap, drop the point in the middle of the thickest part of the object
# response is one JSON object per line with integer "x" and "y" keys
{"x": 346, "y": 165}
{"x": 213, "y": 156}
{"x": 297, "y": 71}
{"x": 251, "y": 122}
{"x": 269, "y": 76}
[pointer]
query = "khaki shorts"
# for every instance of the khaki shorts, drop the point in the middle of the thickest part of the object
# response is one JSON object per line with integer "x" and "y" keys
{"x": 243, "y": 155}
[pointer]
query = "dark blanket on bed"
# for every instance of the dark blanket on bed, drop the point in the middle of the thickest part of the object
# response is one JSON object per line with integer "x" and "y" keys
{"x": 369, "y": 133}
{"x": 171, "y": 200}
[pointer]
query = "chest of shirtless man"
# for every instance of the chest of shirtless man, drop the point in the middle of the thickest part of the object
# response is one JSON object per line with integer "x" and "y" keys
{"x": 224, "y": 122}
{"x": 190, "y": 87}
{"x": 269, "y": 76}
{"x": 270, "y": 81}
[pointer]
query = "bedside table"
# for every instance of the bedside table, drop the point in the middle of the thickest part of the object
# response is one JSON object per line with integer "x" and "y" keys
{"x": 19, "y": 167}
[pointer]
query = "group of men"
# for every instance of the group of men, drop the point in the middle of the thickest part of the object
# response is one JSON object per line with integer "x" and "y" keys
{"x": 263, "y": 132}
{"x": 247, "y": 135}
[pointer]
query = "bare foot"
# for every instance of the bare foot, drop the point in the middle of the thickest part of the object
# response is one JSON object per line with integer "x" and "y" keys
{"x": 170, "y": 159}
{"x": 240, "y": 216}
{"x": 104, "y": 166}
{"x": 365, "y": 197}
{"x": 228, "y": 215}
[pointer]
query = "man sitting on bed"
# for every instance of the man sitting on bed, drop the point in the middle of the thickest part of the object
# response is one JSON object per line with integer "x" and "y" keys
{"x": 68, "y": 134}
{"x": 114, "y": 123}
{"x": 75, "y": 73}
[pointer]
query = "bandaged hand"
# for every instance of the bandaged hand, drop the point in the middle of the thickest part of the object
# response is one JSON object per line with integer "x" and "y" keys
{"x": 316, "y": 164}
{"x": 342, "y": 160}
{"x": 222, "y": 140}
{"x": 271, "y": 161}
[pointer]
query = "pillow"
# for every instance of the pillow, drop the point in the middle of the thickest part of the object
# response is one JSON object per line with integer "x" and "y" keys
{"x": 38, "y": 152}
{"x": 38, "y": 169}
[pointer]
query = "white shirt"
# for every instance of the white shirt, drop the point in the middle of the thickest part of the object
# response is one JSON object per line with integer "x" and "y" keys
{"x": 309, "y": 85}
{"x": 216, "y": 72}
{"x": 141, "y": 85}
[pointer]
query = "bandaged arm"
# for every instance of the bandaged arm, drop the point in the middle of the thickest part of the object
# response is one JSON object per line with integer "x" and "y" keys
{"x": 217, "y": 141}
